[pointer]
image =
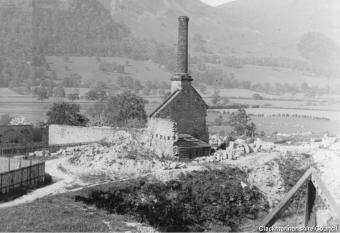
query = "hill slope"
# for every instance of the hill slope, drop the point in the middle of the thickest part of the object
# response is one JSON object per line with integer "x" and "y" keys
{"x": 282, "y": 22}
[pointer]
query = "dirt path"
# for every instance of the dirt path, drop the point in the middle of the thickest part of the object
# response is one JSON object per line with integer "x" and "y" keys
{"x": 68, "y": 182}
{"x": 63, "y": 182}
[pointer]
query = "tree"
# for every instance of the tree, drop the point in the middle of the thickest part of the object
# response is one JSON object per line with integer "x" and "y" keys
{"x": 59, "y": 92}
{"x": 66, "y": 114}
{"x": 251, "y": 130}
{"x": 216, "y": 97}
{"x": 219, "y": 120}
{"x": 97, "y": 114}
{"x": 125, "y": 107}
{"x": 146, "y": 91}
{"x": 241, "y": 123}
{"x": 138, "y": 86}
{"x": 73, "y": 96}
{"x": 91, "y": 95}
{"x": 42, "y": 93}
{"x": 257, "y": 97}
{"x": 126, "y": 82}
{"x": 74, "y": 80}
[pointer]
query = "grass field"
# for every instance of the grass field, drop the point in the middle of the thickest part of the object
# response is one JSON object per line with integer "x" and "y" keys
{"x": 279, "y": 124}
{"x": 286, "y": 125}
{"x": 34, "y": 111}
{"x": 88, "y": 68}
{"x": 261, "y": 74}
{"x": 332, "y": 115}
{"x": 60, "y": 214}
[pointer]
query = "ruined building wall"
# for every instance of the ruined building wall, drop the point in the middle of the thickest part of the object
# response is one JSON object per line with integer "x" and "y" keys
{"x": 189, "y": 112}
{"x": 65, "y": 134}
{"x": 163, "y": 136}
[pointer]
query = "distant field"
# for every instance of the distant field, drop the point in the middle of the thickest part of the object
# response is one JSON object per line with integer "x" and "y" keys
{"x": 332, "y": 115}
{"x": 290, "y": 104}
{"x": 286, "y": 125}
{"x": 36, "y": 112}
{"x": 237, "y": 92}
{"x": 7, "y": 92}
{"x": 88, "y": 68}
{"x": 261, "y": 74}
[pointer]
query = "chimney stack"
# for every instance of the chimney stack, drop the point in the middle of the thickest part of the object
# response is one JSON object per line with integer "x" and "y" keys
{"x": 182, "y": 46}
{"x": 181, "y": 78}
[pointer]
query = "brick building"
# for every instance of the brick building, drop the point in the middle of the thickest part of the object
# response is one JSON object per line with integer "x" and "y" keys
{"x": 178, "y": 125}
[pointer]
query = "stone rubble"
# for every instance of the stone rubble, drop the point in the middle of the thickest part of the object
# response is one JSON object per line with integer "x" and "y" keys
{"x": 123, "y": 154}
{"x": 235, "y": 150}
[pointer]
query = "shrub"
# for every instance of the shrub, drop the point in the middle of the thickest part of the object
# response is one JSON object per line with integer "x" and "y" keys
{"x": 66, "y": 114}
{"x": 257, "y": 97}
{"x": 194, "y": 202}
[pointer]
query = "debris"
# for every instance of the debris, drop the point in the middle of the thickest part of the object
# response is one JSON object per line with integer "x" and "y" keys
{"x": 124, "y": 154}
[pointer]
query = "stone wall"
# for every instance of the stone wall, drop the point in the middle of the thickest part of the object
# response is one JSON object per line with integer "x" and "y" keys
{"x": 163, "y": 136}
{"x": 64, "y": 134}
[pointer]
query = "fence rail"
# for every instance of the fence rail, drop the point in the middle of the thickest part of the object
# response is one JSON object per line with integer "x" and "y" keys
{"x": 314, "y": 186}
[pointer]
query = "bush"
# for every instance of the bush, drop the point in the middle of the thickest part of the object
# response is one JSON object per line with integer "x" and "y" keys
{"x": 257, "y": 97}
{"x": 66, "y": 114}
{"x": 194, "y": 202}
{"x": 241, "y": 123}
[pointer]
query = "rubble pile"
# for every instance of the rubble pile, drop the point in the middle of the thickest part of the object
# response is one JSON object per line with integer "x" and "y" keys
{"x": 234, "y": 149}
{"x": 268, "y": 179}
{"x": 124, "y": 153}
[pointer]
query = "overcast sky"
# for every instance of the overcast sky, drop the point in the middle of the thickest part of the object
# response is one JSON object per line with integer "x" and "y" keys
{"x": 215, "y": 2}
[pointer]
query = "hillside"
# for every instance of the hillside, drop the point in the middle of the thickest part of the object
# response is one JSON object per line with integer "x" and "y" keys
{"x": 242, "y": 27}
{"x": 145, "y": 31}
{"x": 156, "y": 19}
{"x": 302, "y": 32}
{"x": 88, "y": 68}
{"x": 281, "y": 24}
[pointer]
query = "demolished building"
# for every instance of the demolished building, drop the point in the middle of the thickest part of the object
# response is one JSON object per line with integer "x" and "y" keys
{"x": 178, "y": 126}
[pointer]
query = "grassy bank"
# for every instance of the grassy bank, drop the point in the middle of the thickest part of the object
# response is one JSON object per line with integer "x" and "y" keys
{"x": 60, "y": 214}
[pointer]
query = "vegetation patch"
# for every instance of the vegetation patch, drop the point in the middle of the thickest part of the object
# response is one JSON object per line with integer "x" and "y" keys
{"x": 60, "y": 214}
{"x": 197, "y": 201}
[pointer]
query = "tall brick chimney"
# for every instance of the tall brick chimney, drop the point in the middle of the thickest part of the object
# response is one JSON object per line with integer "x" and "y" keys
{"x": 181, "y": 77}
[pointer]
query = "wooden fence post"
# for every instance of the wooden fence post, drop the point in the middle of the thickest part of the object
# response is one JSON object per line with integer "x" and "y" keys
{"x": 310, "y": 214}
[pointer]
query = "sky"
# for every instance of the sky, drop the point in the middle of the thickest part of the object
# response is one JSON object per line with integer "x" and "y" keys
{"x": 215, "y": 2}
